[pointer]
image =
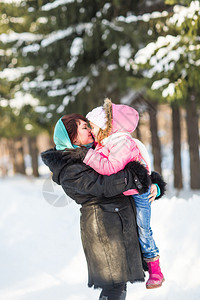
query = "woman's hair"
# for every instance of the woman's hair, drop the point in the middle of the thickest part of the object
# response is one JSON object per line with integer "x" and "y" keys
{"x": 102, "y": 134}
{"x": 70, "y": 122}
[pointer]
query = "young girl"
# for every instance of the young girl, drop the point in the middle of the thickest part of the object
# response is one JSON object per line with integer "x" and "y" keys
{"x": 111, "y": 126}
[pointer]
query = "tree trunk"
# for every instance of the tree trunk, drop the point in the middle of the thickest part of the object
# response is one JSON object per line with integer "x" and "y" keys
{"x": 156, "y": 148}
{"x": 193, "y": 141}
{"x": 17, "y": 156}
{"x": 33, "y": 151}
{"x": 12, "y": 154}
{"x": 4, "y": 154}
{"x": 176, "y": 133}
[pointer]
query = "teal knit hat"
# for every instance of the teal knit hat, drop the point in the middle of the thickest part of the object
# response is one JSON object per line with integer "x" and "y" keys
{"x": 61, "y": 137}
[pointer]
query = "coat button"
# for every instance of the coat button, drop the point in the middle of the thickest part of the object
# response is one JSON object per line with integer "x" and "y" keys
{"x": 116, "y": 209}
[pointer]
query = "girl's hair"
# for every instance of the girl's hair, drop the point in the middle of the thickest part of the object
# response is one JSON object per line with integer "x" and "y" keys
{"x": 71, "y": 124}
{"x": 102, "y": 134}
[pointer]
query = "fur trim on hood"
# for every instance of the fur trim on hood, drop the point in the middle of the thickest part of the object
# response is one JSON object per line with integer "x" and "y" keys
{"x": 108, "y": 111}
{"x": 119, "y": 118}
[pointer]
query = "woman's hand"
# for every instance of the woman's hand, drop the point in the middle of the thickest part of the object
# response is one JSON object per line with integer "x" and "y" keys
{"x": 157, "y": 178}
{"x": 140, "y": 176}
{"x": 153, "y": 193}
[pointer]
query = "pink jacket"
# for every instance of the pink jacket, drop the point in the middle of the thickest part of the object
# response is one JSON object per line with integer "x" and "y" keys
{"x": 119, "y": 148}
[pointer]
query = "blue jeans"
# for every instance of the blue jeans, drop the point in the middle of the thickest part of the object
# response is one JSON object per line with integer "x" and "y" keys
{"x": 143, "y": 217}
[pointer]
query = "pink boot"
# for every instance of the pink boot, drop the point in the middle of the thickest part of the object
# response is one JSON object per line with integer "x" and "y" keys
{"x": 156, "y": 277}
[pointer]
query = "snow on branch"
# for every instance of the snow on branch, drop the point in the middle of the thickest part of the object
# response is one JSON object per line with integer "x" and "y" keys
{"x": 15, "y": 73}
{"x": 20, "y": 100}
{"x": 55, "y": 4}
{"x": 82, "y": 82}
{"x": 144, "y": 17}
{"x": 159, "y": 83}
{"x": 41, "y": 84}
{"x": 112, "y": 25}
{"x": 24, "y": 37}
{"x": 76, "y": 46}
{"x": 124, "y": 54}
{"x": 169, "y": 91}
{"x": 55, "y": 36}
{"x": 106, "y": 7}
{"x": 181, "y": 13}
{"x": 73, "y": 86}
{"x": 145, "y": 54}
{"x": 59, "y": 35}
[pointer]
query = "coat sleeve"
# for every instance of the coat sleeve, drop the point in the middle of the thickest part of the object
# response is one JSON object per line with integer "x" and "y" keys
{"x": 81, "y": 179}
{"x": 121, "y": 152}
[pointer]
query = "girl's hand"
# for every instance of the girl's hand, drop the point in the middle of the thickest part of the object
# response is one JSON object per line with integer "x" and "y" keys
{"x": 153, "y": 193}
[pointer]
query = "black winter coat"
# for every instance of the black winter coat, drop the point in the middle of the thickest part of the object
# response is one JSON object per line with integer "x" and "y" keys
{"x": 108, "y": 224}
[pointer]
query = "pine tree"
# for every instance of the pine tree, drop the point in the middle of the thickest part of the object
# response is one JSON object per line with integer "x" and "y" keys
{"x": 18, "y": 116}
{"x": 74, "y": 52}
{"x": 71, "y": 54}
{"x": 170, "y": 66}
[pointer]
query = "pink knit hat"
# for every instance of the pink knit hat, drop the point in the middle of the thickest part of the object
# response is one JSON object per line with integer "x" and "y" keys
{"x": 98, "y": 117}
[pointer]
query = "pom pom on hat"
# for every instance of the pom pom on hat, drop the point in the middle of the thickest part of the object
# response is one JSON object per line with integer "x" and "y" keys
{"x": 98, "y": 117}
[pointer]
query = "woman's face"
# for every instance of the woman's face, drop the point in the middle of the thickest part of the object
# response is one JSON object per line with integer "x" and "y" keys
{"x": 94, "y": 130}
{"x": 84, "y": 135}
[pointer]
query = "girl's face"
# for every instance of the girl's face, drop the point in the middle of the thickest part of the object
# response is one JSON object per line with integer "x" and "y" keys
{"x": 84, "y": 135}
{"x": 94, "y": 130}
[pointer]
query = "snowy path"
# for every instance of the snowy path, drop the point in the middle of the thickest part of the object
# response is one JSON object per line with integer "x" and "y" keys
{"x": 41, "y": 255}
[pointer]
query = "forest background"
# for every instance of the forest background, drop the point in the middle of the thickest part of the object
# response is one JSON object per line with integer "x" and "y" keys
{"x": 64, "y": 56}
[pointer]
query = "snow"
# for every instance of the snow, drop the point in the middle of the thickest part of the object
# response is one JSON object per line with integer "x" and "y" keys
{"x": 106, "y": 7}
{"x": 56, "y": 93}
{"x": 182, "y": 13}
{"x": 145, "y": 17}
{"x": 196, "y": 63}
{"x": 162, "y": 55}
{"x": 41, "y": 252}
{"x": 55, "y": 36}
{"x": 169, "y": 91}
{"x": 42, "y": 84}
{"x": 60, "y": 109}
{"x": 80, "y": 85}
{"x": 41, "y": 109}
{"x": 42, "y": 20}
{"x": 30, "y": 48}
{"x": 73, "y": 87}
{"x": 55, "y": 4}
{"x": 159, "y": 83}
{"x": 76, "y": 47}
{"x": 124, "y": 54}
{"x": 194, "y": 47}
{"x": 14, "y": 73}
{"x": 20, "y": 100}
{"x": 2, "y": 52}
{"x": 14, "y": 36}
{"x": 89, "y": 29}
{"x": 112, "y": 67}
{"x": 144, "y": 54}
{"x": 52, "y": 37}
{"x": 112, "y": 25}
{"x": 66, "y": 100}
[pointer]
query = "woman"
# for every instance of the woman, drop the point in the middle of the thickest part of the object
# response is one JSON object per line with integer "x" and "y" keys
{"x": 108, "y": 227}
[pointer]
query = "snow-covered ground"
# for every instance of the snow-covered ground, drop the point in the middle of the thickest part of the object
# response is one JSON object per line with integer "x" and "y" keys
{"x": 41, "y": 256}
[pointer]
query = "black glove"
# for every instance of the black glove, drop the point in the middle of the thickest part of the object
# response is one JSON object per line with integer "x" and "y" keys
{"x": 140, "y": 175}
{"x": 156, "y": 178}
{"x": 75, "y": 155}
